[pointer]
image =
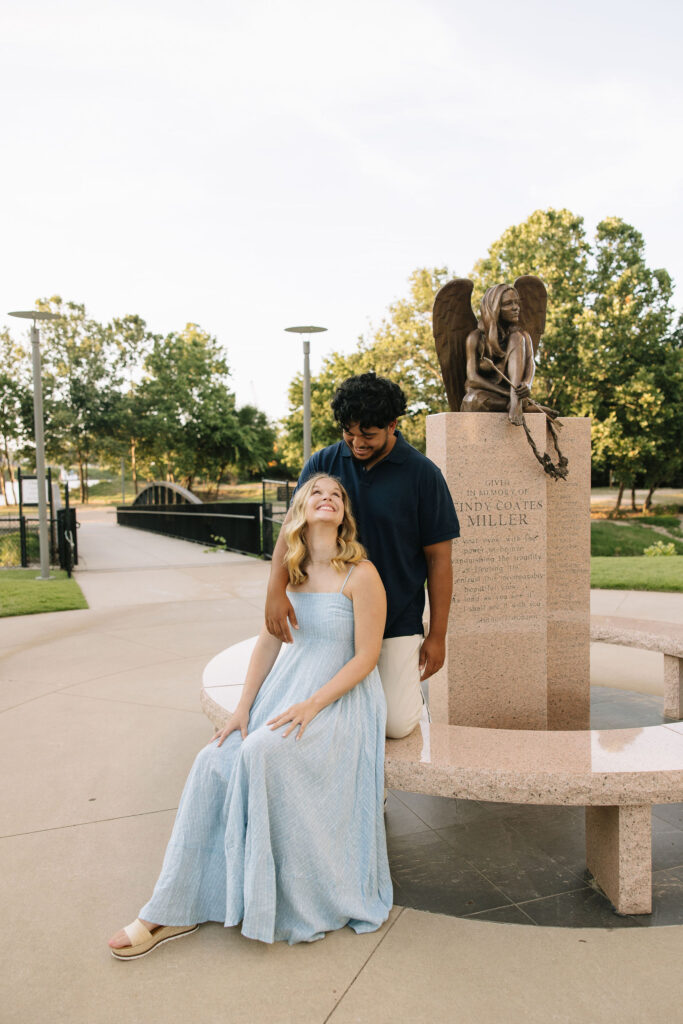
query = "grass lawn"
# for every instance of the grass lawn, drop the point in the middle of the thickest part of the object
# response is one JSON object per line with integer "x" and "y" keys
{"x": 638, "y": 573}
{"x": 10, "y": 548}
{"x": 22, "y": 594}
{"x": 609, "y": 539}
{"x": 671, "y": 523}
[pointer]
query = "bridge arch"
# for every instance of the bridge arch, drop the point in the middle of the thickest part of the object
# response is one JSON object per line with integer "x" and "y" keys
{"x": 161, "y": 492}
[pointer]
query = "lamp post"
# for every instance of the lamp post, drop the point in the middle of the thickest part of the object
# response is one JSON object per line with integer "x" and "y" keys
{"x": 307, "y": 383}
{"x": 35, "y": 314}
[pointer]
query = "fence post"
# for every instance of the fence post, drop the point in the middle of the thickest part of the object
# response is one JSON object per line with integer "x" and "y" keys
{"x": 22, "y": 542}
{"x": 53, "y": 541}
{"x": 267, "y": 521}
{"x": 74, "y": 532}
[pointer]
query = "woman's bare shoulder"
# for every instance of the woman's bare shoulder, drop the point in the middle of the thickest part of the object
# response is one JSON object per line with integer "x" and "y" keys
{"x": 365, "y": 574}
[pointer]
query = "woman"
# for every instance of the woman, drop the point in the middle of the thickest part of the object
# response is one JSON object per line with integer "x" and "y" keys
{"x": 280, "y": 824}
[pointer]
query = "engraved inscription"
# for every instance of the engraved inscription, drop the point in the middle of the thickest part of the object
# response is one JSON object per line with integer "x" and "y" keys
{"x": 499, "y": 561}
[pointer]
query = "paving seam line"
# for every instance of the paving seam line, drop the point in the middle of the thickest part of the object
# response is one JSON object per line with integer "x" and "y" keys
{"x": 362, "y": 968}
{"x": 81, "y": 824}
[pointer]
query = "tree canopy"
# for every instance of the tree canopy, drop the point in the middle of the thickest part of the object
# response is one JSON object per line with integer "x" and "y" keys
{"x": 611, "y": 349}
{"x": 117, "y": 390}
{"x": 630, "y": 360}
{"x": 400, "y": 347}
{"x": 15, "y": 402}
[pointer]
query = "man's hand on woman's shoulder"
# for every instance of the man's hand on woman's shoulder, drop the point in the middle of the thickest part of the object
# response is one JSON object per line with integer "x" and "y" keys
{"x": 279, "y": 614}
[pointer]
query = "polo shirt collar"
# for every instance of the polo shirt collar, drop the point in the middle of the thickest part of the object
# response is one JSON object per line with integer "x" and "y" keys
{"x": 398, "y": 453}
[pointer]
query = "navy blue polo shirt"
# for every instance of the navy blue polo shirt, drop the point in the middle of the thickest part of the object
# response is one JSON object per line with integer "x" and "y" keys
{"x": 402, "y": 505}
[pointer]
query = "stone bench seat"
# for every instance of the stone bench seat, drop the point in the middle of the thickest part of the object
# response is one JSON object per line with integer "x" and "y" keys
{"x": 666, "y": 637}
{"x": 615, "y": 774}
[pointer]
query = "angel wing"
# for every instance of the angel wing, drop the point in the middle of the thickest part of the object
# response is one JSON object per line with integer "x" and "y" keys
{"x": 533, "y": 298}
{"x": 453, "y": 320}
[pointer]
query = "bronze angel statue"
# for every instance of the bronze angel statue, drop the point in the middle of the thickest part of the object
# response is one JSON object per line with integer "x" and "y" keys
{"x": 488, "y": 364}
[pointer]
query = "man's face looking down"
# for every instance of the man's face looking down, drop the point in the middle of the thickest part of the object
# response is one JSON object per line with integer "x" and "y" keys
{"x": 369, "y": 444}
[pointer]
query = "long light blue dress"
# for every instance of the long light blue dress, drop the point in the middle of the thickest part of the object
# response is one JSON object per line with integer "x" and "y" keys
{"x": 287, "y": 836}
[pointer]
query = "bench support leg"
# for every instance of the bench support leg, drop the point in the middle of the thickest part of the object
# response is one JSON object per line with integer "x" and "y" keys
{"x": 619, "y": 855}
{"x": 673, "y": 686}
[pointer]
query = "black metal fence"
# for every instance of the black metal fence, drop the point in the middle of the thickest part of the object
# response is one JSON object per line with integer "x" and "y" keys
{"x": 19, "y": 533}
{"x": 67, "y": 538}
{"x": 250, "y": 527}
{"x": 20, "y": 543}
{"x": 14, "y": 542}
{"x": 277, "y": 495}
{"x": 231, "y": 524}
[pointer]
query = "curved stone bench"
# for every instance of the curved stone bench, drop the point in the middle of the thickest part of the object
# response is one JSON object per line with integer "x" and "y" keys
{"x": 616, "y": 774}
{"x": 666, "y": 637}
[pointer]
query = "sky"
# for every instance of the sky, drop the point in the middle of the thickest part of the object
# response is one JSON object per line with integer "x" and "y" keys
{"x": 256, "y": 165}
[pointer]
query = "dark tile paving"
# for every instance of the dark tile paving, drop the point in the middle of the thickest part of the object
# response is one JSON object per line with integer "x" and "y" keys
{"x": 667, "y": 899}
{"x": 399, "y": 819}
{"x": 433, "y": 811}
{"x": 667, "y": 845}
{"x": 583, "y": 908}
{"x": 563, "y": 841}
{"x": 506, "y": 857}
{"x": 671, "y": 813}
{"x": 427, "y": 876}
{"x": 522, "y": 864}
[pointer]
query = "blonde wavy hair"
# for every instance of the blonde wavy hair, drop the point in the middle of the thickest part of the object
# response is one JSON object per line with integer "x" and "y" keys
{"x": 491, "y": 330}
{"x": 350, "y": 551}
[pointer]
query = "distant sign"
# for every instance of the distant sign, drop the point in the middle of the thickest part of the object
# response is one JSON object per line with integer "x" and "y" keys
{"x": 29, "y": 490}
{"x": 12, "y": 492}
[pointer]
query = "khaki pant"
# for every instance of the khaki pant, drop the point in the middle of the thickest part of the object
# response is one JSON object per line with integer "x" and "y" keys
{"x": 400, "y": 674}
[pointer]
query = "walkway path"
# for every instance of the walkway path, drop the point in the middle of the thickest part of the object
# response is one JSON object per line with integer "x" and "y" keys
{"x": 627, "y": 667}
{"x": 100, "y": 721}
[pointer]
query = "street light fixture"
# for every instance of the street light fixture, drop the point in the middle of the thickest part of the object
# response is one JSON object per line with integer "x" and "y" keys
{"x": 36, "y": 314}
{"x": 307, "y": 383}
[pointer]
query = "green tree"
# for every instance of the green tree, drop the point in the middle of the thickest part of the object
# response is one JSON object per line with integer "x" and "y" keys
{"x": 256, "y": 441}
{"x": 401, "y": 347}
{"x": 130, "y": 338}
{"x": 15, "y": 403}
{"x": 336, "y": 368}
{"x": 82, "y": 376}
{"x": 664, "y": 464}
{"x": 608, "y": 350}
{"x": 628, "y": 357}
{"x": 188, "y": 422}
{"x": 180, "y": 373}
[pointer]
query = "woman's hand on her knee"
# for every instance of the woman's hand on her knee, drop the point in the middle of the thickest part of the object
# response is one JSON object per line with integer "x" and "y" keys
{"x": 239, "y": 719}
{"x": 298, "y": 714}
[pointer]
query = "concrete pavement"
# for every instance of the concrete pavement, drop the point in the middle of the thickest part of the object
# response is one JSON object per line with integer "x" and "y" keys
{"x": 628, "y": 668}
{"x": 100, "y": 722}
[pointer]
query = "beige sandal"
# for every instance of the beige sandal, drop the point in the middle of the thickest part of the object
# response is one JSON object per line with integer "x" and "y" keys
{"x": 142, "y": 941}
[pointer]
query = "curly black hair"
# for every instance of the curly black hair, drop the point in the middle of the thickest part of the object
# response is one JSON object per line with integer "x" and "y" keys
{"x": 368, "y": 400}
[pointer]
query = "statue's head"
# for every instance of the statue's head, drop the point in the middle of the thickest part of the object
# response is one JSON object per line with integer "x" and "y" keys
{"x": 501, "y": 302}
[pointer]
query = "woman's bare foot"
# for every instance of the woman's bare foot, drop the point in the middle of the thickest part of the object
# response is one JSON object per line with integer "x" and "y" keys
{"x": 120, "y": 940}
{"x": 515, "y": 413}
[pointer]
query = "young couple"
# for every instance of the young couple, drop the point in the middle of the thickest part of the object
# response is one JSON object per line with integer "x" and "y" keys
{"x": 280, "y": 824}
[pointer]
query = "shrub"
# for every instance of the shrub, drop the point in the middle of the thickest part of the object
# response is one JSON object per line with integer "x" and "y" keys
{"x": 660, "y": 548}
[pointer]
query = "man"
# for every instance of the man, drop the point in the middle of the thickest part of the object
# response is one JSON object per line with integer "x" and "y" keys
{"x": 406, "y": 520}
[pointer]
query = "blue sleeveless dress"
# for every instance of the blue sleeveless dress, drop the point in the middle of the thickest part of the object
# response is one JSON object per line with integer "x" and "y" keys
{"x": 287, "y": 836}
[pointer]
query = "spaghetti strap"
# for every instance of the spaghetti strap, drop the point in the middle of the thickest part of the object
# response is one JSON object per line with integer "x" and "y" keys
{"x": 346, "y": 579}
